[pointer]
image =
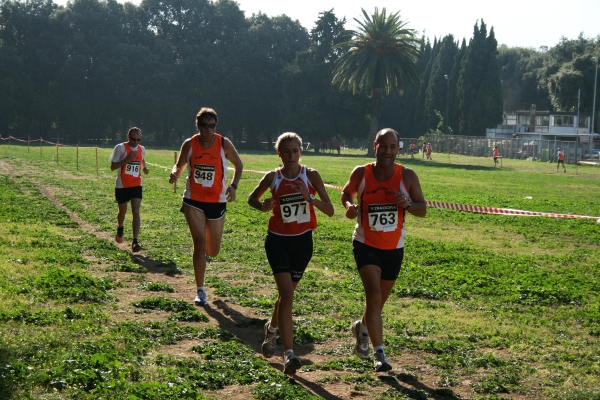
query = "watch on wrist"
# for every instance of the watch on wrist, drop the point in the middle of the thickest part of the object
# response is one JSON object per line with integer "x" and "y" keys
{"x": 408, "y": 206}
{"x": 233, "y": 185}
{"x": 312, "y": 198}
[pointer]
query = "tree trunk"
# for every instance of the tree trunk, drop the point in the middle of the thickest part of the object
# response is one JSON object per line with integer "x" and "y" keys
{"x": 374, "y": 126}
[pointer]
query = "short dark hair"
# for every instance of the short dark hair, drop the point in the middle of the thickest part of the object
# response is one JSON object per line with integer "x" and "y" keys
{"x": 206, "y": 112}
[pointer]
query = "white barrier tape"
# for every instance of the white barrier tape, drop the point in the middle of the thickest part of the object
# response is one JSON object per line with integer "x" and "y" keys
{"x": 159, "y": 166}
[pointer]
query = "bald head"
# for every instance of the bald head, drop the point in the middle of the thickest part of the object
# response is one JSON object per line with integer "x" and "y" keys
{"x": 387, "y": 131}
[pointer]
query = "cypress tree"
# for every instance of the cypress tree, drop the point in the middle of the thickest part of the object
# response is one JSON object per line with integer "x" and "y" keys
{"x": 454, "y": 111}
{"x": 436, "y": 98}
{"x": 473, "y": 81}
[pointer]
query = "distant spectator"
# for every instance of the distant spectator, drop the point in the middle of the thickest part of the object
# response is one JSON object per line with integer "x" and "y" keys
{"x": 560, "y": 156}
{"x": 496, "y": 155}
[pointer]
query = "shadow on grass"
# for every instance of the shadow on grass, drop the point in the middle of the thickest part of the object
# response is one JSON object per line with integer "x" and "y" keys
{"x": 417, "y": 389}
{"x": 156, "y": 267}
{"x": 315, "y": 388}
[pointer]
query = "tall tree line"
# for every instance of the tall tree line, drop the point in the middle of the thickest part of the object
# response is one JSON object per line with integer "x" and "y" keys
{"x": 94, "y": 68}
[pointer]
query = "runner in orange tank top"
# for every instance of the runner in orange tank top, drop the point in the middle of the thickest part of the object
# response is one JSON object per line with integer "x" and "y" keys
{"x": 129, "y": 159}
{"x": 385, "y": 192}
{"x": 206, "y": 195}
{"x": 289, "y": 244}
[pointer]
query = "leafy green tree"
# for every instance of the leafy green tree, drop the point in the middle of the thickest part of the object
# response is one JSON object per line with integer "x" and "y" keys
{"x": 309, "y": 95}
{"x": 567, "y": 68}
{"x": 381, "y": 57}
{"x": 405, "y": 112}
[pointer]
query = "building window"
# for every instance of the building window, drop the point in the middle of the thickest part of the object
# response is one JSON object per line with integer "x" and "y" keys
{"x": 542, "y": 120}
{"x": 564, "y": 120}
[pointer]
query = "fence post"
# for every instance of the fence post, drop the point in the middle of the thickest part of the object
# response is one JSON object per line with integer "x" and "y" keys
{"x": 57, "y": 143}
{"x": 175, "y": 183}
{"x": 97, "y": 161}
{"x": 28, "y": 143}
{"x": 40, "y": 146}
{"x": 77, "y": 158}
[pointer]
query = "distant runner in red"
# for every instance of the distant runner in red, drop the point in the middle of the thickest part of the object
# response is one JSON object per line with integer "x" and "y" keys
{"x": 385, "y": 192}
{"x": 129, "y": 159}
{"x": 496, "y": 155}
{"x": 560, "y": 156}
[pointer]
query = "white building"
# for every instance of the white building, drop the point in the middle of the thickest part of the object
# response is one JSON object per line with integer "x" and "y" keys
{"x": 542, "y": 125}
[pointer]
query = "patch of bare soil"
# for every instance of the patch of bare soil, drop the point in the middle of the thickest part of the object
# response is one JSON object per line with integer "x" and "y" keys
{"x": 410, "y": 372}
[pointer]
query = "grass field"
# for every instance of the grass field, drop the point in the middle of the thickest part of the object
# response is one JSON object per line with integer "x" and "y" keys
{"x": 486, "y": 306}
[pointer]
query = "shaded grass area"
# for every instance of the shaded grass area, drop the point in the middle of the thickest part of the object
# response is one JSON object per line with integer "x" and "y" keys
{"x": 509, "y": 304}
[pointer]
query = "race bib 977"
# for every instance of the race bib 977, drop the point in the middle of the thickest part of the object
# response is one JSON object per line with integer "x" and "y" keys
{"x": 294, "y": 208}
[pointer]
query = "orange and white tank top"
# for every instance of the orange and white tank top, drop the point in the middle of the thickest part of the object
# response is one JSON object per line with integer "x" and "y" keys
{"x": 207, "y": 171}
{"x": 130, "y": 174}
{"x": 561, "y": 155}
{"x": 292, "y": 215}
{"x": 496, "y": 153}
{"x": 380, "y": 221}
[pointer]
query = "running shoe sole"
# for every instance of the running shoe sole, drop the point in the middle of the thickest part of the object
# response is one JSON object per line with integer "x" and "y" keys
{"x": 360, "y": 353}
{"x": 384, "y": 367}
{"x": 292, "y": 366}
{"x": 269, "y": 346}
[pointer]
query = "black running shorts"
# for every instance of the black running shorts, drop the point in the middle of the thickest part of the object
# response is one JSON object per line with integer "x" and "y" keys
{"x": 290, "y": 254}
{"x": 123, "y": 195}
{"x": 389, "y": 261}
{"x": 210, "y": 210}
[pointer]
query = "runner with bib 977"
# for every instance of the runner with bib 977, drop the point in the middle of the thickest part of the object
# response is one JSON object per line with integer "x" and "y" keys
{"x": 289, "y": 243}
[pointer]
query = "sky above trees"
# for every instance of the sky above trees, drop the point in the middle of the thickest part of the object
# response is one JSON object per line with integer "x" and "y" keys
{"x": 516, "y": 22}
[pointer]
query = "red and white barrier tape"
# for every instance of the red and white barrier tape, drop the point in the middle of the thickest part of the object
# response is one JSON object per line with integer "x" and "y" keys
{"x": 502, "y": 211}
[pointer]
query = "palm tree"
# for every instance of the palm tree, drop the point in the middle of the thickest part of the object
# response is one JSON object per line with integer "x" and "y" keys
{"x": 381, "y": 56}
